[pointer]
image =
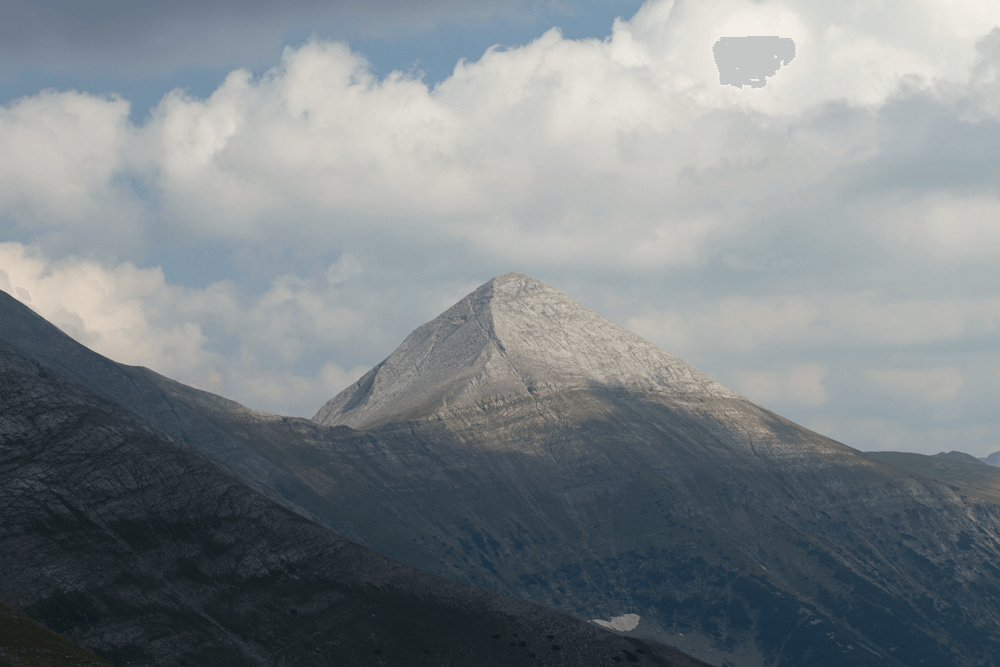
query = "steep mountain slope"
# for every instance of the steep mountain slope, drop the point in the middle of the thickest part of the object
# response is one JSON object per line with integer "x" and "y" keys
{"x": 554, "y": 456}
{"x": 139, "y": 390}
{"x": 146, "y": 553}
{"x": 993, "y": 459}
{"x": 606, "y": 477}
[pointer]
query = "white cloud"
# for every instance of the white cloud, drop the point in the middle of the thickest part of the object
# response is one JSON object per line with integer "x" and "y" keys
{"x": 985, "y": 80}
{"x": 837, "y": 320}
{"x": 888, "y": 434}
{"x": 278, "y": 391}
{"x": 109, "y": 311}
{"x": 823, "y": 211}
{"x": 61, "y": 159}
{"x": 930, "y": 386}
{"x": 624, "y": 152}
{"x": 945, "y": 226}
{"x": 133, "y": 316}
{"x": 801, "y": 384}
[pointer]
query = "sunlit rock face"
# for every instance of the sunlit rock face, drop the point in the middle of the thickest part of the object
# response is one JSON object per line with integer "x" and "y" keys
{"x": 517, "y": 358}
{"x": 515, "y": 338}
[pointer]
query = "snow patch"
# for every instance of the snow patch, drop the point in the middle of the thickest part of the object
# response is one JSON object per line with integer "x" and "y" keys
{"x": 620, "y": 623}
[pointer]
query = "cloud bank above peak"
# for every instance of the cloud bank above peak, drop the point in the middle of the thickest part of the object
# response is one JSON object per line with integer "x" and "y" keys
{"x": 849, "y": 205}
{"x": 530, "y": 143}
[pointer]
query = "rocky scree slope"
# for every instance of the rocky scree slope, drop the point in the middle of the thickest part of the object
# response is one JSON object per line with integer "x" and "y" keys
{"x": 147, "y": 553}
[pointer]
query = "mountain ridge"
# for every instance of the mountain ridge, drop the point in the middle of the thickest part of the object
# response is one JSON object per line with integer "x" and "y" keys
{"x": 514, "y": 337}
{"x": 732, "y": 533}
{"x": 148, "y": 553}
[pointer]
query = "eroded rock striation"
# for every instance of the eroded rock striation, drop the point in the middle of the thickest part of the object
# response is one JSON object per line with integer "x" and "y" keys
{"x": 513, "y": 339}
{"x": 145, "y": 552}
{"x": 525, "y": 445}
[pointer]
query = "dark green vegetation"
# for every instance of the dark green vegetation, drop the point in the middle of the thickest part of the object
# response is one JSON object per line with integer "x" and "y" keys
{"x": 145, "y": 552}
{"x": 25, "y": 643}
{"x": 736, "y": 535}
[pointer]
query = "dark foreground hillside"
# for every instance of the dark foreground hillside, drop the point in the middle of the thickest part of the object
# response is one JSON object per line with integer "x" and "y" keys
{"x": 146, "y": 553}
{"x": 25, "y": 643}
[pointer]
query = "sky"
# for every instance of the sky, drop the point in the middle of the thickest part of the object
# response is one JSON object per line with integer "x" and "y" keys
{"x": 263, "y": 199}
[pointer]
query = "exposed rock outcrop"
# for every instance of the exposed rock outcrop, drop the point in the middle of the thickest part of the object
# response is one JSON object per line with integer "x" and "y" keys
{"x": 147, "y": 553}
{"x": 515, "y": 338}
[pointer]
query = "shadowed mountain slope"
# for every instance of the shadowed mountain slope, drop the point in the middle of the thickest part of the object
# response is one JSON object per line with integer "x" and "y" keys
{"x": 993, "y": 459}
{"x": 146, "y": 553}
{"x": 523, "y": 444}
{"x": 25, "y": 643}
{"x": 141, "y": 391}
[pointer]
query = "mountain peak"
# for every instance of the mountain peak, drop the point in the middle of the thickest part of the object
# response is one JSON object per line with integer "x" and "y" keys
{"x": 514, "y": 277}
{"x": 513, "y": 338}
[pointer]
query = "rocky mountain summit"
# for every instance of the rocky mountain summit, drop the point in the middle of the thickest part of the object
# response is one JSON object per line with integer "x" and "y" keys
{"x": 144, "y": 551}
{"x": 514, "y": 338}
{"x": 525, "y": 445}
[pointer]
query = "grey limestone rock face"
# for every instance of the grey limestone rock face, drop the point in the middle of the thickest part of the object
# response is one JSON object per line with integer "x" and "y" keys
{"x": 147, "y": 553}
{"x": 513, "y": 338}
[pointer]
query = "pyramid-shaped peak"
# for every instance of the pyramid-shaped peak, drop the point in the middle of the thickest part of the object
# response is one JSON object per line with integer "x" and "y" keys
{"x": 511, "y": 283}
{"x": 516, "y": 278}
{"x": 513, "y": 338}
{"x": 510, "y": 288}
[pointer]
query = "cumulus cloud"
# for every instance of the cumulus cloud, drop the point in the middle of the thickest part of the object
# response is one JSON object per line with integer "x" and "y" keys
{"x": 22, "y": 294}
{"x": 848, "y": 205}
{"x": 946, "y": 226}
{"x": 801, "y": 384}
{"x": 617, "y": 153}
{"x": 837, "y": 320}
{"x": 932, "y": 385}
{"x": 622, "y": 152}
{"x": 133, "y": 316}
{"x": 63, "y": 157}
